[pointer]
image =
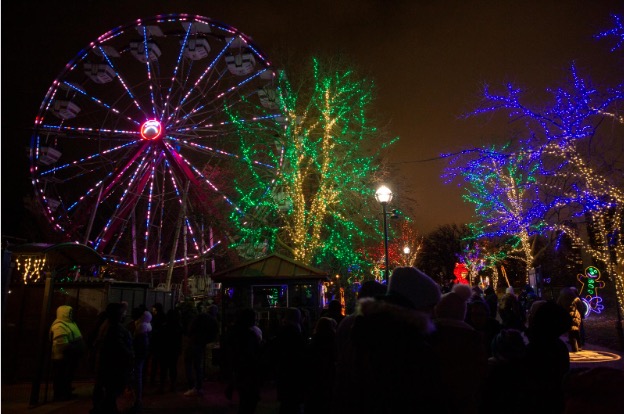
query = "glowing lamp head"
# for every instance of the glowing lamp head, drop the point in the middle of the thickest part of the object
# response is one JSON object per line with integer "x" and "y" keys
{"x": 383, "y": 195}
{"x": 151, "y": 129}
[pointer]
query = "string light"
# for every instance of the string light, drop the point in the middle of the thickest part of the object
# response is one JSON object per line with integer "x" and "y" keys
{"x": 31, "y": 267}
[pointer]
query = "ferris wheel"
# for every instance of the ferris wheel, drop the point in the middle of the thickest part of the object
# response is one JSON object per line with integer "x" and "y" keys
{"x": 134, "y": 150}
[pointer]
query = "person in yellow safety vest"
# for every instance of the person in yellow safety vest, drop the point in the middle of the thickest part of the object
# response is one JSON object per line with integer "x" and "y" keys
{"x": 68, "y": 347}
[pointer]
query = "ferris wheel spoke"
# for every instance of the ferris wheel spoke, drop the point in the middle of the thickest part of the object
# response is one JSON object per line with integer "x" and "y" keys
{"x": 89, "y": 133}
{"x": 175, "y": 71}
{"x": 88, "y": 159}
{"x": 121, "y": 172}
{"x": 126, "y": 204}
{"x": 147, "y": 55}
{"x": 194, "y": 146}
{"x": 123, "y": 83}
{"x": 221, "y": 97}
{"x": 100, "y": 103}
{"x": 148, "y": 215}
{"x": 195, "y": 88}
{"x": 193, "y": 174}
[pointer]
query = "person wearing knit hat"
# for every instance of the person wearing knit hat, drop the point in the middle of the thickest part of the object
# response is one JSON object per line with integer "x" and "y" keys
{"x": 385, "y": 362}
{"x": 452, "y": 305}
{"x": 410, "y": 287}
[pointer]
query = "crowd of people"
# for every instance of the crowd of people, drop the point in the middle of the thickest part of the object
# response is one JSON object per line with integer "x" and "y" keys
{"x": 407, "y": 347}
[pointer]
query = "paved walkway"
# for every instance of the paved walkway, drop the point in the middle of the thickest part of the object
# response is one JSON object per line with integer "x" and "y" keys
{"x": 15, "y": 400}
{"x": 16, "y": 397}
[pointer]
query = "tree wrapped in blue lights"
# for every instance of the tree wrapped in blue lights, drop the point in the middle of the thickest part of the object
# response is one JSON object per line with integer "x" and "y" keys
{"x": 569, "y": 165}
{"x": 503, "y": 186}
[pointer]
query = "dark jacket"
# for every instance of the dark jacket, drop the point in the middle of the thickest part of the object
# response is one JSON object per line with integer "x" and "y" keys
{"x": 392, "y": 367}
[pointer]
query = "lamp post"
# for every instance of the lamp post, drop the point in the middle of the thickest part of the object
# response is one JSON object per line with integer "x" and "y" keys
{"x": 383, "y": 195}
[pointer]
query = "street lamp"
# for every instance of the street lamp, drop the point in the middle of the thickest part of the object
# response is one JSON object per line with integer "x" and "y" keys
{"x": 383, "y": 195}
{"x": 406, "y": 251}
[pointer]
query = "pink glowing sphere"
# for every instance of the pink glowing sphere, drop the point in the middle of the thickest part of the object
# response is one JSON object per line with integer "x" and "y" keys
{"x": 151, "y": 129}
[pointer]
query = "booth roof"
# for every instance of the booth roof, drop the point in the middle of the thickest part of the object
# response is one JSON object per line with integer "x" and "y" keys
{"x": 61, "y": 253}
{"x": 274, "y": 266}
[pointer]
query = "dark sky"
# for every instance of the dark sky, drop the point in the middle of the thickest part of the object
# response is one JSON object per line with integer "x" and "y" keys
{"x": 429, "y": 60}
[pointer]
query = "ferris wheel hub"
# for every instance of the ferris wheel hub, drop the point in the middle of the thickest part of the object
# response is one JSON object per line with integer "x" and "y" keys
{"x": 151, "y": 129}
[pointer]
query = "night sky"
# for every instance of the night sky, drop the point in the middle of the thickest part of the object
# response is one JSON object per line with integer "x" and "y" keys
{"x": 429, "y": 60}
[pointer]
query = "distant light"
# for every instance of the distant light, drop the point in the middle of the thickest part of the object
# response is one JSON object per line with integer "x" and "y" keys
{"x": 406, "y": 250}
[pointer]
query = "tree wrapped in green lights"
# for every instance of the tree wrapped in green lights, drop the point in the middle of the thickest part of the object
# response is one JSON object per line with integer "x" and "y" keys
{"x": 320, "y": 206}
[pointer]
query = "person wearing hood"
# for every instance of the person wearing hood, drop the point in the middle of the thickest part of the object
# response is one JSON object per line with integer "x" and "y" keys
{"x": 68, "y": 347}
{"x": 394, "y": 364}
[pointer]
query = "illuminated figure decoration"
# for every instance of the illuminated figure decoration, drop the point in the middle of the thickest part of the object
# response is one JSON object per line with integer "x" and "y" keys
{"x": 484, "y": 282}
{"x": 590, "y": 283}
{"x": 460, "y": 272}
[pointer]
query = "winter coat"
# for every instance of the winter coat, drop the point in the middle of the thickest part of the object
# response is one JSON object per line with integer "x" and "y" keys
{"x": 66, "y": 338}
{"x": 569, "y": 300}
{"x": 114, "y": 355}
{"x": 392, "y": 367}
{"x": 463, "y": 361}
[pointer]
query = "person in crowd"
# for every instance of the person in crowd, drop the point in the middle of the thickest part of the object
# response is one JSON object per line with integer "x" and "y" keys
{"x": 334, "y": 311}
{"x": 287, "y": 351}
{"x": 140, "y": 347}
{"x": 321, "y": 367}
{"x": 526, "y": 298}
{"x": 479, "y": 318}
{"x": 476, "y": 294}
{"x": 113, "y": 360}
{"x": 569, "y": 299}
{"x": 460, "y": 349}
{"x": 344, "y": 384}
{"x": 369, "y": 289}
{"x": 68, "y": 348}
{"x": 511, "y": 313}
{"x": 507, "y": 376}
{"x": 491, "y": 298}
{"x": 393, "y": 362}
{"x": 172, "y": 333}
{"x": 242, "y": 356}
{"x": 548, "y": 359}
{"x": 156, "y": 340}
{"x": 202, "y": 329}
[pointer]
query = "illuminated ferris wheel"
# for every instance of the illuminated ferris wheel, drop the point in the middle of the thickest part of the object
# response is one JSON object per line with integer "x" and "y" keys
{"x": 135, "y": 151}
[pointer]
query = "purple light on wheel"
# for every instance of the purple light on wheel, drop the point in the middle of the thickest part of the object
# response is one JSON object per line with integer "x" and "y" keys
{"x": 151, "y": 129}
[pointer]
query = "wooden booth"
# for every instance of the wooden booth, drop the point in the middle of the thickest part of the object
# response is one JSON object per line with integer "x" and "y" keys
{"x": 269, "y": 285}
